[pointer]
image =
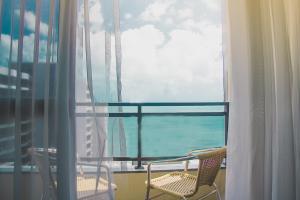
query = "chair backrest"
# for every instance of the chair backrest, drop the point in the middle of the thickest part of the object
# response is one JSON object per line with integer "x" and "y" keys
{"x": 38, "y": 155}
{"x": 209, "y": 164}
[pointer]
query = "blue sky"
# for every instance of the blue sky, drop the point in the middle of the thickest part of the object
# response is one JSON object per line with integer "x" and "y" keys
{"x": 172, "y": 49}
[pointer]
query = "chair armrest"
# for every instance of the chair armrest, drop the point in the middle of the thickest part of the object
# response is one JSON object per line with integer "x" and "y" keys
{"x": 91, "y": 164}
{"x": 108, "y": 173}
{"x": 199, "y": 151}
{"x": 107, "y": 169}
{"x": 186, "y": 158}
{"x": 196, "y": 152}
{"x": 95, "y": 165}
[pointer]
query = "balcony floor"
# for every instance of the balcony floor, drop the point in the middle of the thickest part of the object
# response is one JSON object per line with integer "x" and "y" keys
{"x": 131, "y": 186}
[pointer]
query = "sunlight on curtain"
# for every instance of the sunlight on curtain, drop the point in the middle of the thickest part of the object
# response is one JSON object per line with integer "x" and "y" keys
{"x": 264, "y": 133}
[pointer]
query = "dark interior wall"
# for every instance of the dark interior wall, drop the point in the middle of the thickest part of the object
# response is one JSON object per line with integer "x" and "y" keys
{"x": 30, "y": 191}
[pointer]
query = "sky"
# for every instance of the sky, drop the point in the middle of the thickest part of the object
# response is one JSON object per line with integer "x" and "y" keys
{"x": 171, "y": 49}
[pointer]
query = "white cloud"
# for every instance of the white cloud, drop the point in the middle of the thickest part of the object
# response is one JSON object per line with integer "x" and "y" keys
{"x": 128, "y": 16}
{"x": 156, "y": 10}
{"x": 27, "y": 49}
{"x": 169, "y": 21}
{"x": 29, "y": 21}
{"x": 185, "y": 13}
{"x": 4, "y": 49}
{"x": 96, "y": 18}
{"x": 187, "y": 67}
{"x": 213, "y": 5}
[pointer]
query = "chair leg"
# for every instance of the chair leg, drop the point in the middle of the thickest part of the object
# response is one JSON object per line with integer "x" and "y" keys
{"x": 147, "y": 193}
{"x": 217, "y": 192}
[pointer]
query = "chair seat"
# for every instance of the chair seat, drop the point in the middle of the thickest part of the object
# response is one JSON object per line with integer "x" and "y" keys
{"x": 176, "y": 183}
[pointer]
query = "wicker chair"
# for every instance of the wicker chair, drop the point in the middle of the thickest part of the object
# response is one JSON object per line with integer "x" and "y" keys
{"x": 86, "y": 186}
{"x": 185, "y": 185}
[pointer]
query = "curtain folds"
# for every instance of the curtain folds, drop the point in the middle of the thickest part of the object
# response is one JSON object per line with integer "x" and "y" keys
{"x": 18, "y": 111}
{"x": 37, "y": 97}
{"x": 92, "y": 95}
{"x": 264, "y": 134}
{"x": 43, "y": 74}
{"x": 118, "y": 52}
{"x": 65, "y": 101}
{"x": 1, "y": 13}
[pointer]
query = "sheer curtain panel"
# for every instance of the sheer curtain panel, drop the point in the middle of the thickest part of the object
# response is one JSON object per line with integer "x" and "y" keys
{"x": 264, "y": 135}
{"x": 37, "y": 99}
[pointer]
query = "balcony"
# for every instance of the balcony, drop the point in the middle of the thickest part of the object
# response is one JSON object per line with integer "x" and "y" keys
{"x": 180, "y": 115}
{"x": 153, "y": 131}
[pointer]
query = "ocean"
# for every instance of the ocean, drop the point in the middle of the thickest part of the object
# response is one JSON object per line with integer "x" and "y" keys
{"x": 169, "y": 136}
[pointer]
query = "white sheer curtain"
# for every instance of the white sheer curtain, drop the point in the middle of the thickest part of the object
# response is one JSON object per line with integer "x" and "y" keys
{"x": 94, "y": 56}
{"x": 65, "y": 101}
{"x": 37, "y": 97}
{"x": 264, "y": 135}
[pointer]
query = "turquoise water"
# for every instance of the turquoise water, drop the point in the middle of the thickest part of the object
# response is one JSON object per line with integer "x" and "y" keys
{"x": 169, "y": 136}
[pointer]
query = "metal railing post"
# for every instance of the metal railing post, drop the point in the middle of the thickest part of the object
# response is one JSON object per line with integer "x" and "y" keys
{"x": 139, "y": 121}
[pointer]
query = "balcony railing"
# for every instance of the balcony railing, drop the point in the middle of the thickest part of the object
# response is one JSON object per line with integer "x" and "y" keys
{"x": 140, "y": 114}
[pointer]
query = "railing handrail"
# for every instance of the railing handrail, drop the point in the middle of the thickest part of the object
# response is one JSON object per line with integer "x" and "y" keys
{"x": 155, "y": 104}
